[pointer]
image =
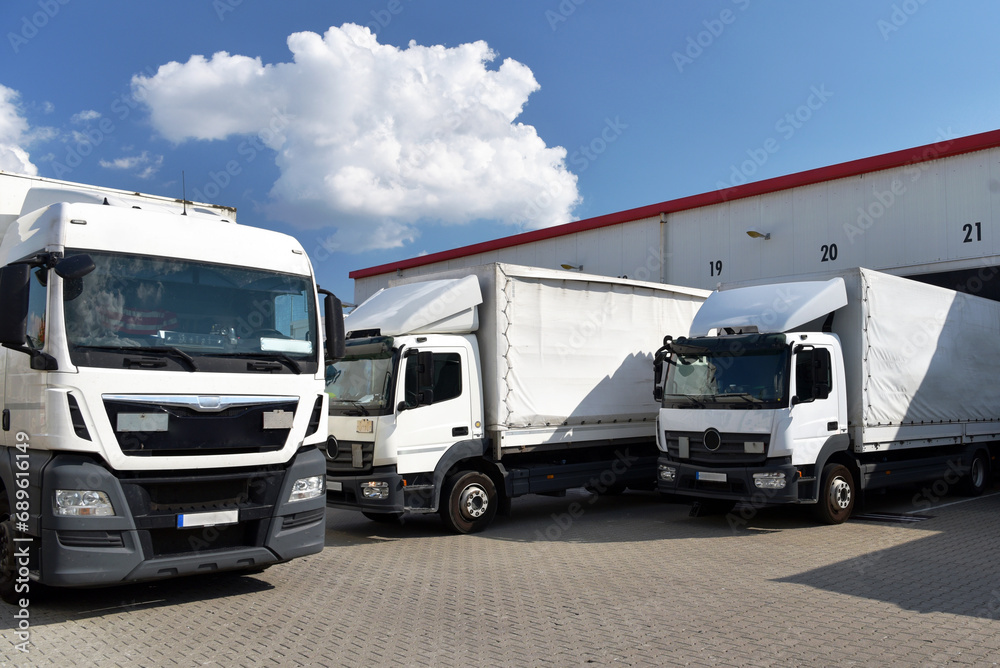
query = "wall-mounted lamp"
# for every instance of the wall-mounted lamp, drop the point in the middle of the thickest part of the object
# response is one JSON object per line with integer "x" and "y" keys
{"x": 572, "y": 267}
{"x": 753, "y": 234}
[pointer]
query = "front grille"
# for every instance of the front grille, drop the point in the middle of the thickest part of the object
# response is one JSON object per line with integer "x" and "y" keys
{"x": 236, "y": 430}
{"x": 349, "y": 456}
{"x": 166, "y": 542}
{"x": 185, "y": 498}
{"x": 155, "y": 501}
{"x": 731, "y": 450}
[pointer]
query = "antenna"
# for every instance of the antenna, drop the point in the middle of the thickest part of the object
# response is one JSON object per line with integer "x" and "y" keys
{"x": 184, "y": 194}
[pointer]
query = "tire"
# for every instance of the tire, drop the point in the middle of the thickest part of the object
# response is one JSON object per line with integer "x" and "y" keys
{"x": 383, "y": 518}
{"x": 977, "y": 479}
{"x": 469, "y": 502}
{"x": 836, "y": 495}
{"x": 7, "y": 567}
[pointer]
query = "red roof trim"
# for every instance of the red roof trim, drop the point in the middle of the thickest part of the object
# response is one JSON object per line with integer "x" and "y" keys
{"x": 942, "y": 149}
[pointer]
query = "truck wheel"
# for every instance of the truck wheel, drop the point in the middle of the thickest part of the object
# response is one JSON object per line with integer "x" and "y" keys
{"x": 7, "y": 568}
{"x": 975, "y": 481}
{"x": 469, "y": 502}
{"x": 383, "y": 518}
{"x": 836, "y": 495}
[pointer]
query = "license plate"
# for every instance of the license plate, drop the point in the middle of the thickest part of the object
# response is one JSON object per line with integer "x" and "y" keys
{"x": 711, "y": 477}
{"x": 188, "y": 520}
{"x": 334, "y": 486}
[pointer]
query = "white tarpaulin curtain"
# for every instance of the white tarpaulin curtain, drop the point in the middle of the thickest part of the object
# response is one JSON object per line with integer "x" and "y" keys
{"x": 932, "y": 355}
{"x": 575, "y": 351}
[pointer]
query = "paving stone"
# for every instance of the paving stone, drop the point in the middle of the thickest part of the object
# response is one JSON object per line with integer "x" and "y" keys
{"x": 633, "y": 581}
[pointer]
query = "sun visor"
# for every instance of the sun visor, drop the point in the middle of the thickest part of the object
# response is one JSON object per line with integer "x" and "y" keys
{"x": 778, "y": 307}
{"x": 432, "y": 307}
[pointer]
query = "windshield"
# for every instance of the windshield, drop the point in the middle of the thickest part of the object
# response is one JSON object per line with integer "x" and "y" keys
{"x": 190, "y": 315}
{"x": 359, "y": 384}
{"x": 729, "y": 372}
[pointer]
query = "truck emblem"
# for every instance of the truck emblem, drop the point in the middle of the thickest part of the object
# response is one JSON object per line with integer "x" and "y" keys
{"x": 332, "y": 448}
{"x": 713, "y": 439}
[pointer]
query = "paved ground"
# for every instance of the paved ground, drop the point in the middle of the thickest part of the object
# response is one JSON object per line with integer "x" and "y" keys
{"x": 580, "y": 580}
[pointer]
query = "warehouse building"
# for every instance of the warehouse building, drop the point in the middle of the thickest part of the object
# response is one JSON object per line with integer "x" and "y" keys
{"x": 929, "y": 213}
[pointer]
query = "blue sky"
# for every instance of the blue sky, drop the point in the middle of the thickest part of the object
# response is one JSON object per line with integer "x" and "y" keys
{"x": 430, "y": 125}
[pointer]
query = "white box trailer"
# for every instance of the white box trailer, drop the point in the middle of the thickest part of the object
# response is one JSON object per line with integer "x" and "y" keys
{"x": 161, "y": 384}
{"x": 809, "y": 391}
{"x": 536, "y": 381}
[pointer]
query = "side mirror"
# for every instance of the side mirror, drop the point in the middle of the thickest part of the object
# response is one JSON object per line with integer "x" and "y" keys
{"x": 74, "y": 266}
{"x": 661, "y": 355}
{"x": 419, "y": 379}
{"x": 657, "y": 375}
{"x": 14, "y": 281}
{"x": 333, "y": 321}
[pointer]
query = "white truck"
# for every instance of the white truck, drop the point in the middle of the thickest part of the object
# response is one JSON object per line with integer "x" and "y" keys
{"x": 163, "y": 389}
{"x": 470, "y": 387}
{"x": 812, "y": 392}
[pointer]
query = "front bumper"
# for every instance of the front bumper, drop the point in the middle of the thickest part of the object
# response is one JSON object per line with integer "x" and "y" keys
{"x": 734, "y": 483}
{"x": 143, "y": 542}
{"x": 348, "y": 491}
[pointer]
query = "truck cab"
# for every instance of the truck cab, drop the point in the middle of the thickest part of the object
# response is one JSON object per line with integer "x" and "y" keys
{"x": 397, "y": 406}
{"x": 163, "y": 398}
{"x": 406, "y": 405}
{"x": 754, "y": 415}
{"x": 814, "y": 391}
{"x": 748, "y": 415}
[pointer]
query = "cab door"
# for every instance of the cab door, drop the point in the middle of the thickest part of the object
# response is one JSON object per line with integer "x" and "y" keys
{"x": 436, "y": 410}
{"x": 816, "y": 412}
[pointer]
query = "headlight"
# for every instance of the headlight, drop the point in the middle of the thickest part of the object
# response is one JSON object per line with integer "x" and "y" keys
{"x": 375, "y": 490}
{"x": 771, "y": 480}
{"x": 307, "y": 488}
{"x": 667, "y": 473}
{"x": 83, "y": 503}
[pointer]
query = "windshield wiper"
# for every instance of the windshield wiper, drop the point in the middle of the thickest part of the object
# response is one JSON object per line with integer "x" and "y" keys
{"x": 745, "y": 396}
{"x": 677, "y": 398}
{"x": 275, "y": 356}
{"x": 360, "y": 406}
{"x": 169, "y": 351}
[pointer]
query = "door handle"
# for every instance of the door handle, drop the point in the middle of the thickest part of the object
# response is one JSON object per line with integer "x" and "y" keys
{"x": 460, "y": 431}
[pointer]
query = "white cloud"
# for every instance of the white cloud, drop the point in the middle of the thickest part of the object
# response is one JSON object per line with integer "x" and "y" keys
{"x": 14, "y": 135}
{"x": 375, "y": 139}
{"x": 85, "y": 116}
{"x": 144, "y": 165}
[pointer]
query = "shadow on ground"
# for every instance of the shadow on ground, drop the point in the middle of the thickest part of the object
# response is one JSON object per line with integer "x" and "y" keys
{"x": 953, "y": 567}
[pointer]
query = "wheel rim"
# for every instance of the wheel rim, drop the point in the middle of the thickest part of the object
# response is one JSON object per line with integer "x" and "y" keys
{"x": 840, "y": 494}
{"x": 473, "y": 501}
{"x": 978, "y": 472}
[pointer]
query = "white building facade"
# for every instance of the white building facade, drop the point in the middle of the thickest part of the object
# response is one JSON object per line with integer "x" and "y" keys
{"x": 930, "y": 212}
